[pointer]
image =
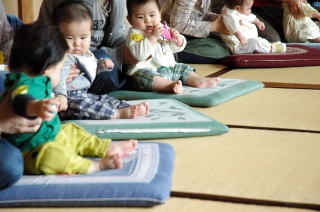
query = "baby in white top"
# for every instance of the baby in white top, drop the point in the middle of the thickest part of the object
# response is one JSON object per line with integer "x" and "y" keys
{"x": 242, "y": 25}
{"x": 157, "y": 69}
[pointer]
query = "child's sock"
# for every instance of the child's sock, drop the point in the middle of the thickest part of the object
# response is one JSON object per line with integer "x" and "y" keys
{"x": 278, "y": 47}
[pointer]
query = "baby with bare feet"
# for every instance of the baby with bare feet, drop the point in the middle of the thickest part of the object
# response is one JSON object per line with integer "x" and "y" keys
{"x": 75, "y": 102}
{"x": 154, "y": 45}
{"x": 37, "y": 57}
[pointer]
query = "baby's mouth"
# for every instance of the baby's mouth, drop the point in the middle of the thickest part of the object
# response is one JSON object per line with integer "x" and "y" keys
{"x": 149, "y": 27}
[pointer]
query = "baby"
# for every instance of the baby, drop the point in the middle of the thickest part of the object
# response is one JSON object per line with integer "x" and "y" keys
{"x": 157, "y": 69}
{"x": 242, "y": 25}
{"x": 37, "y": 57}
{"x": 75, "y": 22}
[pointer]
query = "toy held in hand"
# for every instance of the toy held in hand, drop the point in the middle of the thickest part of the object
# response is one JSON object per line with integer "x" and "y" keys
{"x": 167, "y": 34}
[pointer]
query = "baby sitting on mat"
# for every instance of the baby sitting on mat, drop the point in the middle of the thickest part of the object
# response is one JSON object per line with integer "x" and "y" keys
{"x": 153, "y": 45}
{"x": 242, "y": 25}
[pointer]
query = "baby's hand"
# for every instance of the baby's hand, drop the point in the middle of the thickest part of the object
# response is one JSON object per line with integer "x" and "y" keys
{"x": 46, "y": 109}
{"x": 63, "y": 103}
{"x": 177, "y": 36}
{"x": 107, "y": 63}
{"x": 261, "y": 25}
{"x": 317, "y": 16}
{"x": 243, "y": 42}
{"x": 157, "y": 31}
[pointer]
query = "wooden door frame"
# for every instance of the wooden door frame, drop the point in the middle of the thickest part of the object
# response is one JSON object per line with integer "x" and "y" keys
{"x": 25, "y": 9}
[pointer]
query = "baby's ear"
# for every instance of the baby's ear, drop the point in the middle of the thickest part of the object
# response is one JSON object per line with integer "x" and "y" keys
{"x": 129, "y": 19}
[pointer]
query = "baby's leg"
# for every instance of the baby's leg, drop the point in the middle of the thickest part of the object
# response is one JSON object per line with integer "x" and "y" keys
{"x": 196, "y": 81}
{"x": 162, "y": 85}
{"x": 115, "y": 153}
{"x": 132, "y": 111}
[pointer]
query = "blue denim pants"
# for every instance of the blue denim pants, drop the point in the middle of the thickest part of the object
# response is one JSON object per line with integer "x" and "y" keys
{"x": 11, "y": 164}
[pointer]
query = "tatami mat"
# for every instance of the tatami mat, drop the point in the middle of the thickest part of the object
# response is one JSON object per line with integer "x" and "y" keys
{"x": 207, "y": 69}
{"x": 271, "y": 107}
{"x": 300, "y": 75}
{"x": 255, "y": 164}
{"x": 173, "y": 205}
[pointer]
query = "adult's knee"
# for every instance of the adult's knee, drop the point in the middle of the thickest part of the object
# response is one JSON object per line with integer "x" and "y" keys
{"x": 11, "y": 165}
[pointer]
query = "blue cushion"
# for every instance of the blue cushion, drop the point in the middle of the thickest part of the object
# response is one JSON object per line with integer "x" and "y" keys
{"x": 145, "y": 180}
{"x": 204, "y": 97}
{"x": 167, "y": 118}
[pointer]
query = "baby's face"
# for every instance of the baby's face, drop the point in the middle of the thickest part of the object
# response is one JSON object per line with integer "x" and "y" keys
{"x": 77, "y": 35}
{"x": 145, "y": 17}
{"x": 245, "y": 8}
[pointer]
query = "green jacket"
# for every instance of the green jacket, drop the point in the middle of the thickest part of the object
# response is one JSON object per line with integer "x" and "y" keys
{"x": 21, "y": 86}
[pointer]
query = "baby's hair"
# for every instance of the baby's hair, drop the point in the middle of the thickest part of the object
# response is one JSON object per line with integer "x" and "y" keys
{"x": 36, "y": 47}
{"x": 133, "y": 3}
{"x": 232, "y": 3}
{"x": 71, "y": 11}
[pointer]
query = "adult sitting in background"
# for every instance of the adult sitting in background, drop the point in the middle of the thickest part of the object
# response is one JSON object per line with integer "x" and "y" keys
{"x": 194, "y": 19}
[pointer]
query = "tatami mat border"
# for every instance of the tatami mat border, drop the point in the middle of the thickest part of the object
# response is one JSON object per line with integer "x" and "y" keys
{"x": 242, "y": 200}
{"x": 272, "y": 84}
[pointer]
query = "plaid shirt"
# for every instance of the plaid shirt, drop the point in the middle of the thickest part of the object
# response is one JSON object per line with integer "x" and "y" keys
{"x": 189, "y": 17}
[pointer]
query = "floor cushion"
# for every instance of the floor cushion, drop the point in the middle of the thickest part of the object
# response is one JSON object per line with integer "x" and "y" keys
{"x": 204, "y": 97}
{"x": 167, "y": 118}
{"x": 296, "y": 55}
{"x": 145, "y": 180}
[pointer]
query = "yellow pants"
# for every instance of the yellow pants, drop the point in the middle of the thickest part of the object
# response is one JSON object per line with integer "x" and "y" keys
{"x": 64, "y": 154}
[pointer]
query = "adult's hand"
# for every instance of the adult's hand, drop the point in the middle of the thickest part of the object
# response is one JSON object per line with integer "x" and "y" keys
{"x": 74, "y": 72}
{"x": 295, "y": 8}
{"x": 11, "y": 123}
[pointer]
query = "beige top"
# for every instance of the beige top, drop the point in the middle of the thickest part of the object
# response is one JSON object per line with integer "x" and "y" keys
{"x": 300, "y": 30}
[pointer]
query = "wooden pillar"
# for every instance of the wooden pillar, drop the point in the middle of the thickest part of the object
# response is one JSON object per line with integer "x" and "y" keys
{"x": 25, "y": 8}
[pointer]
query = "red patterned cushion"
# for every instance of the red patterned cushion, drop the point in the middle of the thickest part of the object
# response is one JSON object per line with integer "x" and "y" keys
{"x": 296, "y": 55}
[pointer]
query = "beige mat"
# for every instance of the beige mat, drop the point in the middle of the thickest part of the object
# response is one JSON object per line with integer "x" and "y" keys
{"x": 207, "y": 69}
{"x": 271, "y": 107}
{"x": 173, "y": 205}
{"x": 255, "y": 164}
{"x": 300, "y": 75}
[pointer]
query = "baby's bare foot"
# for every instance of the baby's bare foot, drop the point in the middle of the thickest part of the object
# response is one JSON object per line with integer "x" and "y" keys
{"x": 112, "y": 162}
{"x": 108, "y": 162}
{"x": 122, "y": 148}
{"x": 176, "y": 87}
{"x": 139, "y": 110}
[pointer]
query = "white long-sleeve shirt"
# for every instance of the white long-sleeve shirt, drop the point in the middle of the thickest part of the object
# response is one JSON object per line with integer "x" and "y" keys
{"x": 161, "y": 53}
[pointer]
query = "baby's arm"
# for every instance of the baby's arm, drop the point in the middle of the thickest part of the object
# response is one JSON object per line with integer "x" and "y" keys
{"x": 259, "y": 24}
{"x": 139, "y": 45}
{"x": 107, "y": 63}
{"x": 154, "y": 36}
{"x": 241, "y": 38}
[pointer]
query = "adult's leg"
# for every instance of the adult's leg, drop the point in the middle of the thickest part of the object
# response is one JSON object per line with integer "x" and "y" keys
{"x": 11, "y": 164}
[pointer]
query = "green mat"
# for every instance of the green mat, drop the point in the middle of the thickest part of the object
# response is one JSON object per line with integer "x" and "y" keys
{"x": 204, "y": 97}
{"x": 167, "y": 118}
